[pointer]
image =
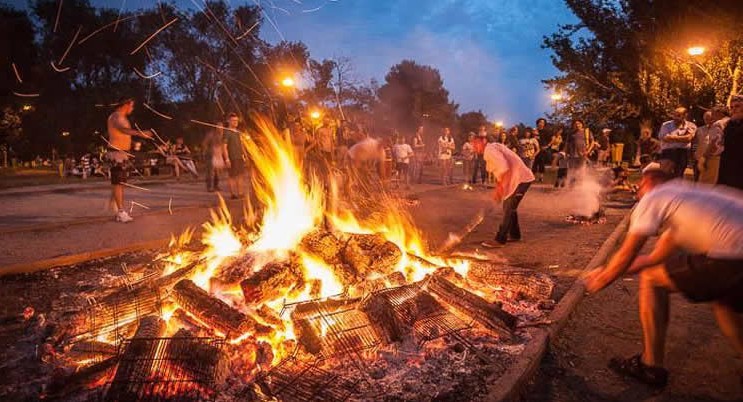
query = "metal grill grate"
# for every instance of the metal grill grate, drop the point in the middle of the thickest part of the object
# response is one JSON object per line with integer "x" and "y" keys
{"x": 175, "y": 370}
{"x": 116, "y": 316}
{"x": 342, "y": 330}
{"x": 294, "y": 380}
{"x": 434, "y": 323}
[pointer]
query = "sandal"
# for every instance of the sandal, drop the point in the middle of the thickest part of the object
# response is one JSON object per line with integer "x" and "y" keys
{"x": 635, "y": 368}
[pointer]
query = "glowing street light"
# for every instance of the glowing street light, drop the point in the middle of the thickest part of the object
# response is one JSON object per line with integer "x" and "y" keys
{"x": 696, "y": 50}
{"x": 556, "y": 97}
{"x": 287, "y": 82}
{"x": 315, "y": 115}
{"x": 499, "y": 123}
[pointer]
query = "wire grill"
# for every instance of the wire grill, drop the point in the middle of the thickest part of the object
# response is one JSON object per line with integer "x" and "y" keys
{"x": 294, "y": 380}
{"x": 116, "y": 316}
{"x": 434, "y": 322}
{"x": 341, "y": 328}
{"x": 173, "y": 370}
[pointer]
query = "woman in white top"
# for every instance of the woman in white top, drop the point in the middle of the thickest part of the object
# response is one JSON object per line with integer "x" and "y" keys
{"x": 446, "y": 149}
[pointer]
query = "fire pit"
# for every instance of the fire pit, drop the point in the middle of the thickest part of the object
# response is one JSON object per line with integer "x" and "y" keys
{"x": 311, "y": 305}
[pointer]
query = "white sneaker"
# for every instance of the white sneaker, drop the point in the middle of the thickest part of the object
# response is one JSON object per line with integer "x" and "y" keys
{"x": 123, "y": 217}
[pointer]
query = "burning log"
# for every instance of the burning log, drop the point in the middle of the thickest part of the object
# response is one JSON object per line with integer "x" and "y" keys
{"x": 323, "y": 244}
{"x": 212, "y": 311}
{"x": 111, "y": 314}
{"x": 365, "y": 287}
{"x": 91, "y": 350}
{"x": 270, "y": 282}
{"x": 306, "y": 336}
{"x": 137, "y": 360}
{"x": 394, "y": 311}
{"x": 371, "y": 252}
{"x": 523, "y": 283}
{"x": 202, "y": 360}
{"x": 315, "y": 308}
{"x": 235, "y": 270}
{"x": 168, "y": 281}
{"x": 491, "y": 315}
{"x": 63, "y": 386}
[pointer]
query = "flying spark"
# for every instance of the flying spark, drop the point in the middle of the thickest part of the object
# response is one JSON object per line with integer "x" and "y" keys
{"x": 74, "y": 38}
{"x": 58, "y": 69}
{"x": 136, "y": 187}
{"x": 248, "y": 31}
{"x": 104, "y": 27}
{"x": 22, "y": 95}
{"x": 164, "y": 116}
{"x": 213, "y": 125}
{"x": 56, "y": 20}
{"x": 147, "y": 77}
{"x": 153, "y": 35}
{"x": 17, "y": 74}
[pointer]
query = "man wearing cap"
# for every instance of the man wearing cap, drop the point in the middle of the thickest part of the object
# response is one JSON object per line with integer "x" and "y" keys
{"x": 120, "y": 135}
{"x": 699, "y": 253}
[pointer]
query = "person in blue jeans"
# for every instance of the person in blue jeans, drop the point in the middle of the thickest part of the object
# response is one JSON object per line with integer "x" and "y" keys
{"x": 513, "y": 179}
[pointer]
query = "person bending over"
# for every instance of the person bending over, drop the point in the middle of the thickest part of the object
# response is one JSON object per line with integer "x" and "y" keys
{"x": 699, "y": 253}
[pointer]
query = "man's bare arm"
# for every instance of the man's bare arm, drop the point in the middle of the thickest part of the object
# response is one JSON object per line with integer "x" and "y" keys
{"x": 618, "y": 264}
{"x": 664, "y": 248}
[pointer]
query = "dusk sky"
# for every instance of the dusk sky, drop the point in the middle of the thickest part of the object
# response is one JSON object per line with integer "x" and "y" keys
{"x": 488, "y": 51}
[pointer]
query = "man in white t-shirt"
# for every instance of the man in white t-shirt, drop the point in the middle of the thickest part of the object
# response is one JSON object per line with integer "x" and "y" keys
{"x": 513, "y": 180}
{"x": 699, "y": 253}
{"x": 675, "y": 138}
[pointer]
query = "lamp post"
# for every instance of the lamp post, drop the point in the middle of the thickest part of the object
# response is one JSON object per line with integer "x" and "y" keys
{"x": 696, "y": 50}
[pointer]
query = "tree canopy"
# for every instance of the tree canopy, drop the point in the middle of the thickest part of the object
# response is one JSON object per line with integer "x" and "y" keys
{"x": 627, "y": 60}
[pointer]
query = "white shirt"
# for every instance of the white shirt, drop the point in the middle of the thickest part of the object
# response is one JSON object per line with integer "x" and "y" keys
{"x": 702, "y": 219}
{"x": 446, "y": 147}
{"x": 402, "y": 153}
{"x": 508, "y": 168}
{"x": 669, "y": 129}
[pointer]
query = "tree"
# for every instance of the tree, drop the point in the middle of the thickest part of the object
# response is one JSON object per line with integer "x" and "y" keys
{"x": 622, "y": 63}
{"x": 413, "y": 93}
{"x": 471, "y": 121}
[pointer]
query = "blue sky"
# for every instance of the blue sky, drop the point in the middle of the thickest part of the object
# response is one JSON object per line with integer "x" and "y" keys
{"x": 488, "y": 51}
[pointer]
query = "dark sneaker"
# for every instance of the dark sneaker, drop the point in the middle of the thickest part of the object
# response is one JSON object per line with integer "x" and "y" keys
{"x": 634, "y": 367}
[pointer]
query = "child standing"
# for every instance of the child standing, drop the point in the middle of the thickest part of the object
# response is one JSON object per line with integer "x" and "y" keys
{"x": 562, "y": 167}
{"x": 402, "y": 152}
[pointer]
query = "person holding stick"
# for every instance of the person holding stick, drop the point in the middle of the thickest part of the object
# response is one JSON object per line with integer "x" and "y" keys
{"x": 120, "y": 135}
{"x": 699, "y": 253}
{"x": 513, "y": 179}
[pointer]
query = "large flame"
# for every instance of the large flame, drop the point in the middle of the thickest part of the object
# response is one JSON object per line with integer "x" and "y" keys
{"x": 293, "y": 204}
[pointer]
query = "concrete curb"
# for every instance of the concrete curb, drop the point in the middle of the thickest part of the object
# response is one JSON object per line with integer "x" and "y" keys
{"x": 510, "y": 385}
{"x": 78, "y": 258}
{"x": 82, "y": 187}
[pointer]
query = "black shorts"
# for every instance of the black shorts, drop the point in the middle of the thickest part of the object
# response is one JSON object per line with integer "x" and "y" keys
{"x": 402, "y": 167}
{"x": 237, "y": 167}
{"x": 562, "y": 173}
{"x": 120, "y": 166}
{"x": 703, "y": 279}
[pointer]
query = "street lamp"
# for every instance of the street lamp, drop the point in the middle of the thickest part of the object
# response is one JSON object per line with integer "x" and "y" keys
{"x": 556, "y": 97}
{"x": 287, "y": 82}
{"x": 315, "y": 115}
{"x": 499, "y": 123}
{"x": 696, "y": 50}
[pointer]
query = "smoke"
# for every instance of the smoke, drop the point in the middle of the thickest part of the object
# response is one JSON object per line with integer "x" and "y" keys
{"x": 585, "y": 194}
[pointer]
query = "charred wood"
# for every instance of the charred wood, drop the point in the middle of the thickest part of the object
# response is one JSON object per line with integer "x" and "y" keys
{"x": 212, "y": 311}
{"x": 324, "y": 245}
{"x": 523, "y": 283}
{"x": 63, "y": 386}
{"x": 306, "y": 336}
{"x": 235, "y": 270}
{"x": 203, "y": 361}
{"x": 270, "y": 282}
{"x": 136, "y": 362}
{"x": 393, "y": 312}
{"x": 491, "y": 315}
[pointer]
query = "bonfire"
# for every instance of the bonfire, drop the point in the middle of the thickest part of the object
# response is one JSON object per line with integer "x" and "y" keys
{"x": 312, "y": 297}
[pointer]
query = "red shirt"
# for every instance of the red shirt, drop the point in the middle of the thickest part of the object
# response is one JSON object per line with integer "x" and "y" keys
{"x": 478, "y": 145}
